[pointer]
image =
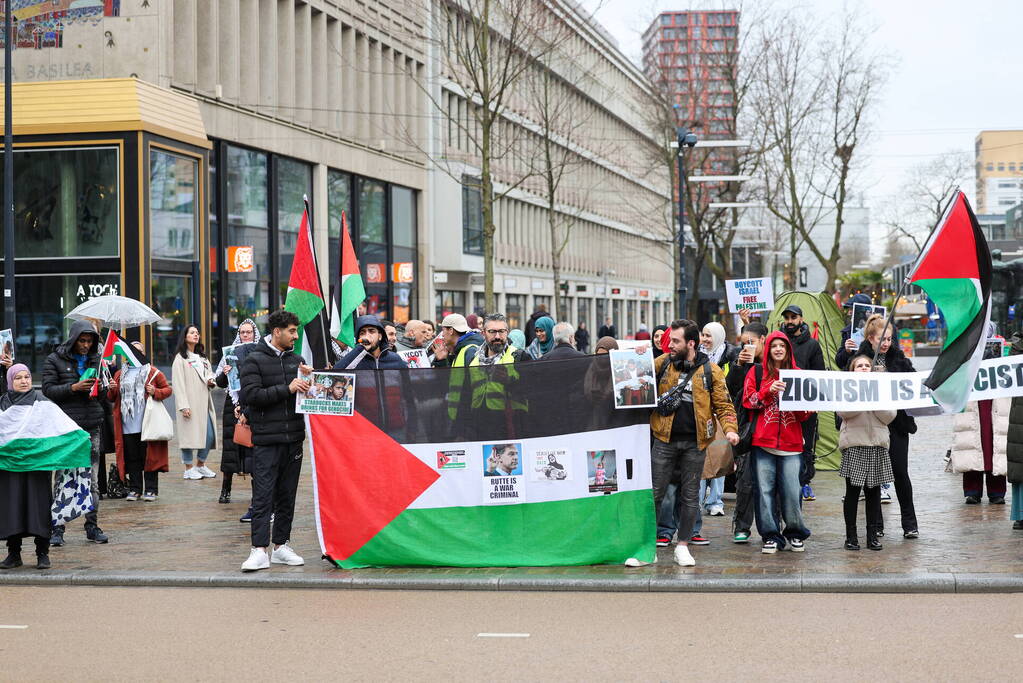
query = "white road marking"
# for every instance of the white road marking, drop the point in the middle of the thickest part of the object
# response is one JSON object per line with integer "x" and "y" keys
{"x": 502, "y": 635}
{"x": 14, "y": 626}
{"x": 1018, "y": 635}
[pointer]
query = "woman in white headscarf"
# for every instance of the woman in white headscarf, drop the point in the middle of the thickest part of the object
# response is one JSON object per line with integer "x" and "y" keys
{"x": 722, "y": 354}
{"x": 234, "y": 459}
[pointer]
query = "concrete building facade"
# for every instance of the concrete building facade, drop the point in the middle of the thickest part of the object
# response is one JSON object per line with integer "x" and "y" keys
{"x": 999, "y": 170}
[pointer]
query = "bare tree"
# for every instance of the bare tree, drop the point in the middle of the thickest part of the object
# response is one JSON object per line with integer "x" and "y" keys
{"x": 920, "y": 201}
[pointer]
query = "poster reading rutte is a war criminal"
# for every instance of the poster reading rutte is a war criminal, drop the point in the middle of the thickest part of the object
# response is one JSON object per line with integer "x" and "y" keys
{"x": 502, "y": 473}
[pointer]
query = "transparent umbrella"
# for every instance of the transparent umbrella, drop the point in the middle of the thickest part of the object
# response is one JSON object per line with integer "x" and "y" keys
{"x": 115, "y": 311}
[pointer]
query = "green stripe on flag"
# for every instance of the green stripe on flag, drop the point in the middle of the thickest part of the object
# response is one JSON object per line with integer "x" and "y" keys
{"x": 306, "y": 306}
{"x": 65, "y": 451}
{"x": 958, "y": 300}
{"x": 353, "y": 293}
{"x": 593, "y": 530}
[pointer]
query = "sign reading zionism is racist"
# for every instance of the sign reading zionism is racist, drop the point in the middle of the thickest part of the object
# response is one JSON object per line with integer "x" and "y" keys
{"x": 387, "y": 492}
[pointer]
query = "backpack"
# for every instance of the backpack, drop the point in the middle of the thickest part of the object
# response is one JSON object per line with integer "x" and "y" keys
{"x": 748, "y": 418}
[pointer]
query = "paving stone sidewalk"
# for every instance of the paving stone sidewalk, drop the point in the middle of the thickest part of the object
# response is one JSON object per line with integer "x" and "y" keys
{"x": 187, "y": 538}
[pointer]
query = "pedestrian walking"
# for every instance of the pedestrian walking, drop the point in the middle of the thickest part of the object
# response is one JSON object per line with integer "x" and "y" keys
{"x": 234, "y": 458}
{"x": 607, "y": 329}
{"x": 693, "y": 399}
{"x": 543, "y": 341}
{"x": 777, "y": 447}
{"x": 863, "y": 439}
{"x": 68, "y": 379}
{"x": 582, "y": 339}
{"x": 138, "y": 462}
{"x": 25, "y": 497}
{"x": 193, "y": 380}
{"x": 807, "y": 355}
{"x": 269, "y": 382}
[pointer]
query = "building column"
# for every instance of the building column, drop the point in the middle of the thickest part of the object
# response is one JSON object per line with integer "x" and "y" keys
{"x": 321, "y": 225}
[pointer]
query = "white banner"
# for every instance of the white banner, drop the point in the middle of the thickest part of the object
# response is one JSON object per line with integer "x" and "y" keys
{"x": 825, "y": 390}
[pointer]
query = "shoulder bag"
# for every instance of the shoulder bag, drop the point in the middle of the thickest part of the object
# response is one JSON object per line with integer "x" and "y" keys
{"x": 157, "y": 424}
{"x": 748, "y": 419}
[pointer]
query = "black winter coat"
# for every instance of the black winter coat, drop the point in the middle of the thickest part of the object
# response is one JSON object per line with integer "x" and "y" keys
{"x": 268, "y": 403}
{"x": 894, "y": 361}
{"x": 561, "y": 352}
{"x": 60, "y": 371}
{"x": 1014, "y": 440}
{"x": 807, "y": 350}
{"x": 582, "y": 340}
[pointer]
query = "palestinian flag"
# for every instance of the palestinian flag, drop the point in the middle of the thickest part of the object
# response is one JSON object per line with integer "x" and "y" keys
{"x": 41, "y": 437}
{"x": 954, "y": 268}
{"x": 349, "y": 291}
{"x": 540, "y": 473}
{"x": 116, "y": 347}
{"x": 305, "y": 299}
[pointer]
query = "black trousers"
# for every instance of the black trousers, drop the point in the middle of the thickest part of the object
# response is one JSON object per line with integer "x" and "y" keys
{"x": 898, "y": 451}
{"x": 745, "y": 496}
{"x": 139, "y": 481}
{"x": 275, "y": 473}
{"x": 42, "y": 545}
{"x": 808, "y": 468}
{"x": 875, "y": 522}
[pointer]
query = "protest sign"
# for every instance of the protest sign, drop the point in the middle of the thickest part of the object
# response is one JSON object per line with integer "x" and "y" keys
{"x": 754, "y": 294}
{"x": 602, "y": 471}
{"x": 502, "y": 473}
{"x": 7, "y": 344}
{"x": 632, "y": 372}
{"x": 860, "y": 314}
{"x": 550, "y": 464}
{"x": 823, "y": 390}
{"x": 231, "y": 360}
{"x": 331, "y": 393}
{"x": 415, "y": 358}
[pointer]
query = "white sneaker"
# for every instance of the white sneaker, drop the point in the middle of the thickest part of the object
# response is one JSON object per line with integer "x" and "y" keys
{"x": 285, "y": 555}
{"x": 206, "y": 472}
{"x": 682, "y": 556}
{"x": 258, "y": 559}
{"x": 192, "y": 473}
{"x": 717, "y": 511}
{"x": 886, "y": 497}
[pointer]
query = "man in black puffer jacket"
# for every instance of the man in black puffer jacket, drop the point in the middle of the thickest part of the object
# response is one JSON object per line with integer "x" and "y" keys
{"x": 63, "y": 384}
{"x": 269, "y": 382}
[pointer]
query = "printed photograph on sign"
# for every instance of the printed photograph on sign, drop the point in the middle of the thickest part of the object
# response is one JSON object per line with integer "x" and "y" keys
{"x": 7, "y": 345}
{"x": 230, "y": 357}
{"x": 502, "y": 459}
{"x": 860, "y": 314}
{"x": 550, "y": 465}
{"x": 601, "y": 471}
{"x": 451, "y": 460}
{"x": 754, "y": 294}
{"x": 632, "y": 372}
{"x": 330, "y": 393}
{"x": 415, "y": 358}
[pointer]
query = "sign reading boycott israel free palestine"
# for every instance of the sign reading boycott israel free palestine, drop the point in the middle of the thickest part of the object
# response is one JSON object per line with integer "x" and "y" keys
{"x": 386, "y": 495}
{"x": 754, "y": 294}
{"x": 816, "y": 390}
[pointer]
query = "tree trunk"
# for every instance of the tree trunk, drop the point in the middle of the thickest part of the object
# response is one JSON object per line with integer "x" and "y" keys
{"x": 488, "y": 217}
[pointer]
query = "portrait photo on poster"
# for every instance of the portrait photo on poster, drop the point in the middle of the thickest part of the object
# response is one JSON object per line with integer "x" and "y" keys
{"x": 330, "y": 393}
{"x": 860, "y": 314}
{"x": 551, "y": 464}
{"x": 632, "y": 373}
{"x": 7, "y": 344}
{"x": 502, "y": 473}
{"x": 230, "y": 357}
{"x": 602, "y": 471}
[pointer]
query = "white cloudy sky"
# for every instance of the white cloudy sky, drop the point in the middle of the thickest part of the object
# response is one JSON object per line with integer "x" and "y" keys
{"x": 959, "y": 70}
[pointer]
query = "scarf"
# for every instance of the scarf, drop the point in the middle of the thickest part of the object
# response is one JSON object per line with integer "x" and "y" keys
{"x": 237, "y": 340}
{"x": 18, "y": 398}
{"x": 537, "y": 348}
{"x": 133, "y": 390}
{"x": 717, "y": 334}
{"x": 517, "y": 338}
{"x": 483, "y": 358}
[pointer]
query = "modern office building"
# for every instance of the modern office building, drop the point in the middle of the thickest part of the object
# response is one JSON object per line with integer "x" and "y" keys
{"x": 999, "y": 170}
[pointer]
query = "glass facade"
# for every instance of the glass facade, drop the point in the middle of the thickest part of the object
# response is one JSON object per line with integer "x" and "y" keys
{"x": 173, "y": 303}
{"x": 339, "y": 202}
{"x": 294, "y": 183}
{"x": 66, "y": 203}
{"x": 582, "y": 312}
{"x": 448, "y": 301}
{"x": 403, "y": 270}
{"x": 513, "y": 310}
{"x": 373, "y": 245}
{"x": 173, "y": 218}
{"x": 472, "y": 216}
{"x": 246, "y": 253}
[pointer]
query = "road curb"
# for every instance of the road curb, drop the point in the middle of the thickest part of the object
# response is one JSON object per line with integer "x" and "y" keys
{"x": 486, "y": 580}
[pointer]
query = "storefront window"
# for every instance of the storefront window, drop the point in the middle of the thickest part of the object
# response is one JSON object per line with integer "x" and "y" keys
{"x": 616, "y": 315}
{"x": 447, "y": 302}
{"x": 403, "y": 268}
{"x": 373, "y": 245}
{"x": 172, "y": 302}
{"x": 630, "y": 306}
{"x": 247, "y": 237}
{"x": 41, "y": 302}
{"x": 66, "y": 203}
{"x": 172, "y": 210}
{"x": 513, "y": 310}
{"x": 339, "y": 201}
{"x": 582, "y": 312}
{"x": 294, "y": 182}
{"x": 544, "y": 301}
{"x": 479, "y": 303}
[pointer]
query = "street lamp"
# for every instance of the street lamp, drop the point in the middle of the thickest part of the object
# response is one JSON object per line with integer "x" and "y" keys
{"x": 685, "y": 138}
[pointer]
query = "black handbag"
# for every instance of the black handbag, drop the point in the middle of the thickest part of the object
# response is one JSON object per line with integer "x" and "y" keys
{"x": 748, "y": 419}
{"x": 116, "y": 488}
{"x": 669, "y": 402}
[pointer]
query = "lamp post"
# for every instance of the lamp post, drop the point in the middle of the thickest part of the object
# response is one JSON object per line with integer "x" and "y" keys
{"x": 685, "y": 139}
{"x": 8, "y": 176}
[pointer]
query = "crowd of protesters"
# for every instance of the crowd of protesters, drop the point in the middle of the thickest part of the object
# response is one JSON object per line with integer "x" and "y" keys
{"x": 709, "y": 391}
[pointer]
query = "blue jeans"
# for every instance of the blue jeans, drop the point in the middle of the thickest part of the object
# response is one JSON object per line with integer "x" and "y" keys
{"x": 778, "y": 473}
{"x": 678, "y": 462}
{"x": 711, "y": 491}
{"x": 669, "y": 512}
{"x": 200, "y": 454}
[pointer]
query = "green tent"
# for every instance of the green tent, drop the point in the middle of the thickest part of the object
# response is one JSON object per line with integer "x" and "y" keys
{"x": 826, "y": 320}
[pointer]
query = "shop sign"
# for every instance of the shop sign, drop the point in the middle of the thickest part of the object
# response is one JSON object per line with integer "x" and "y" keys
{"x": 86, "y": 292}
{"x": 402, "y": 272}
{"x": 440, "y": 278}
{"x": 616, "y": 290}
{"x": 644, "y": 293}
{"x": 240, "y": 259}
{"x": 376, "y": 273}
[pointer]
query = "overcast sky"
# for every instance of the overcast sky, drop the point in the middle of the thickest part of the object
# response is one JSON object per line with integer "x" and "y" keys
{"x": 959, "y": 71}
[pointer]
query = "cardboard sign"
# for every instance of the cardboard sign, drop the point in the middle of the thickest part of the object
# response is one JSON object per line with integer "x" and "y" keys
{"x": 754, "y": 294}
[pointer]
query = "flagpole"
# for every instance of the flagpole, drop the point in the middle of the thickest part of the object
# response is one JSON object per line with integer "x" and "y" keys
{"x": 316, "y": 264}
{"x": 906, "y": 279}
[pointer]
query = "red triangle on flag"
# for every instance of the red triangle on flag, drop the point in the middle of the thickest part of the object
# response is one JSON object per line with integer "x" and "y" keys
{"x": 349, "y": 262}
{"x": 952, "y": 252}
{"x": 303, "y": 267}
{"x": 364, "y": 479}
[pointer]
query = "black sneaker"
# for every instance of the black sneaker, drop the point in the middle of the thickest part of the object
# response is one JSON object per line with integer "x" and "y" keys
{"x": 973, "y": 500}
{"x": 1018, "y": 524}
{"x": 912, "y": 533}
{"x": 57, "y": 537}
{"x": 42, "y": 561}
{"x": 699, "y": 540}
{"x": 663, "y": 541}
{"x": 996, "y": 500}
{"x": 225, "y": 497}
{"x": 796, "y": 545}
{"x": 96, "y": 535}
{"x": 247, "y": 517}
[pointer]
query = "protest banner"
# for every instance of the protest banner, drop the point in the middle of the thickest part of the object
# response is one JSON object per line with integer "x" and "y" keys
{"x": 824, "y": 390}
{"x": 415, "y": 358}
{"x": 423, "y": 475}
{"x": 634, "y": 381}
{"x": 754, "y": 294}
{"x": 331, "y": 393}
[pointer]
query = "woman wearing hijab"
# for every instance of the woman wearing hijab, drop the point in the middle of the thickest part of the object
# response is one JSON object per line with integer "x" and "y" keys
{"x": 139, "y": 462}
{"x": 234, "y": 459}
{"x": 543, "y": 343}
{"x": 518, "y": 339}
{"x": 658, "y": 339}
{"x": 722, "y": 354}
{"x": 25, "y": 497}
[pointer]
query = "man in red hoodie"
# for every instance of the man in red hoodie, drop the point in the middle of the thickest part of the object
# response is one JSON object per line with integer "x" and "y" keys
{"x": 777, "y": 447}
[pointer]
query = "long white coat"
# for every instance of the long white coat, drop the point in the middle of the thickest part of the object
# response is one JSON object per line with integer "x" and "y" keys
{"x": 967, "y": 452}
{"x": 191, "y": 391}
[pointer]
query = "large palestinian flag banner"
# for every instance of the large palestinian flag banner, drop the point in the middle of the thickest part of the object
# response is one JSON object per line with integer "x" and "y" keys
{"x": 511, "y": 465}
{"x": 954, "y": 268}
{"x": 41, "y": 437}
